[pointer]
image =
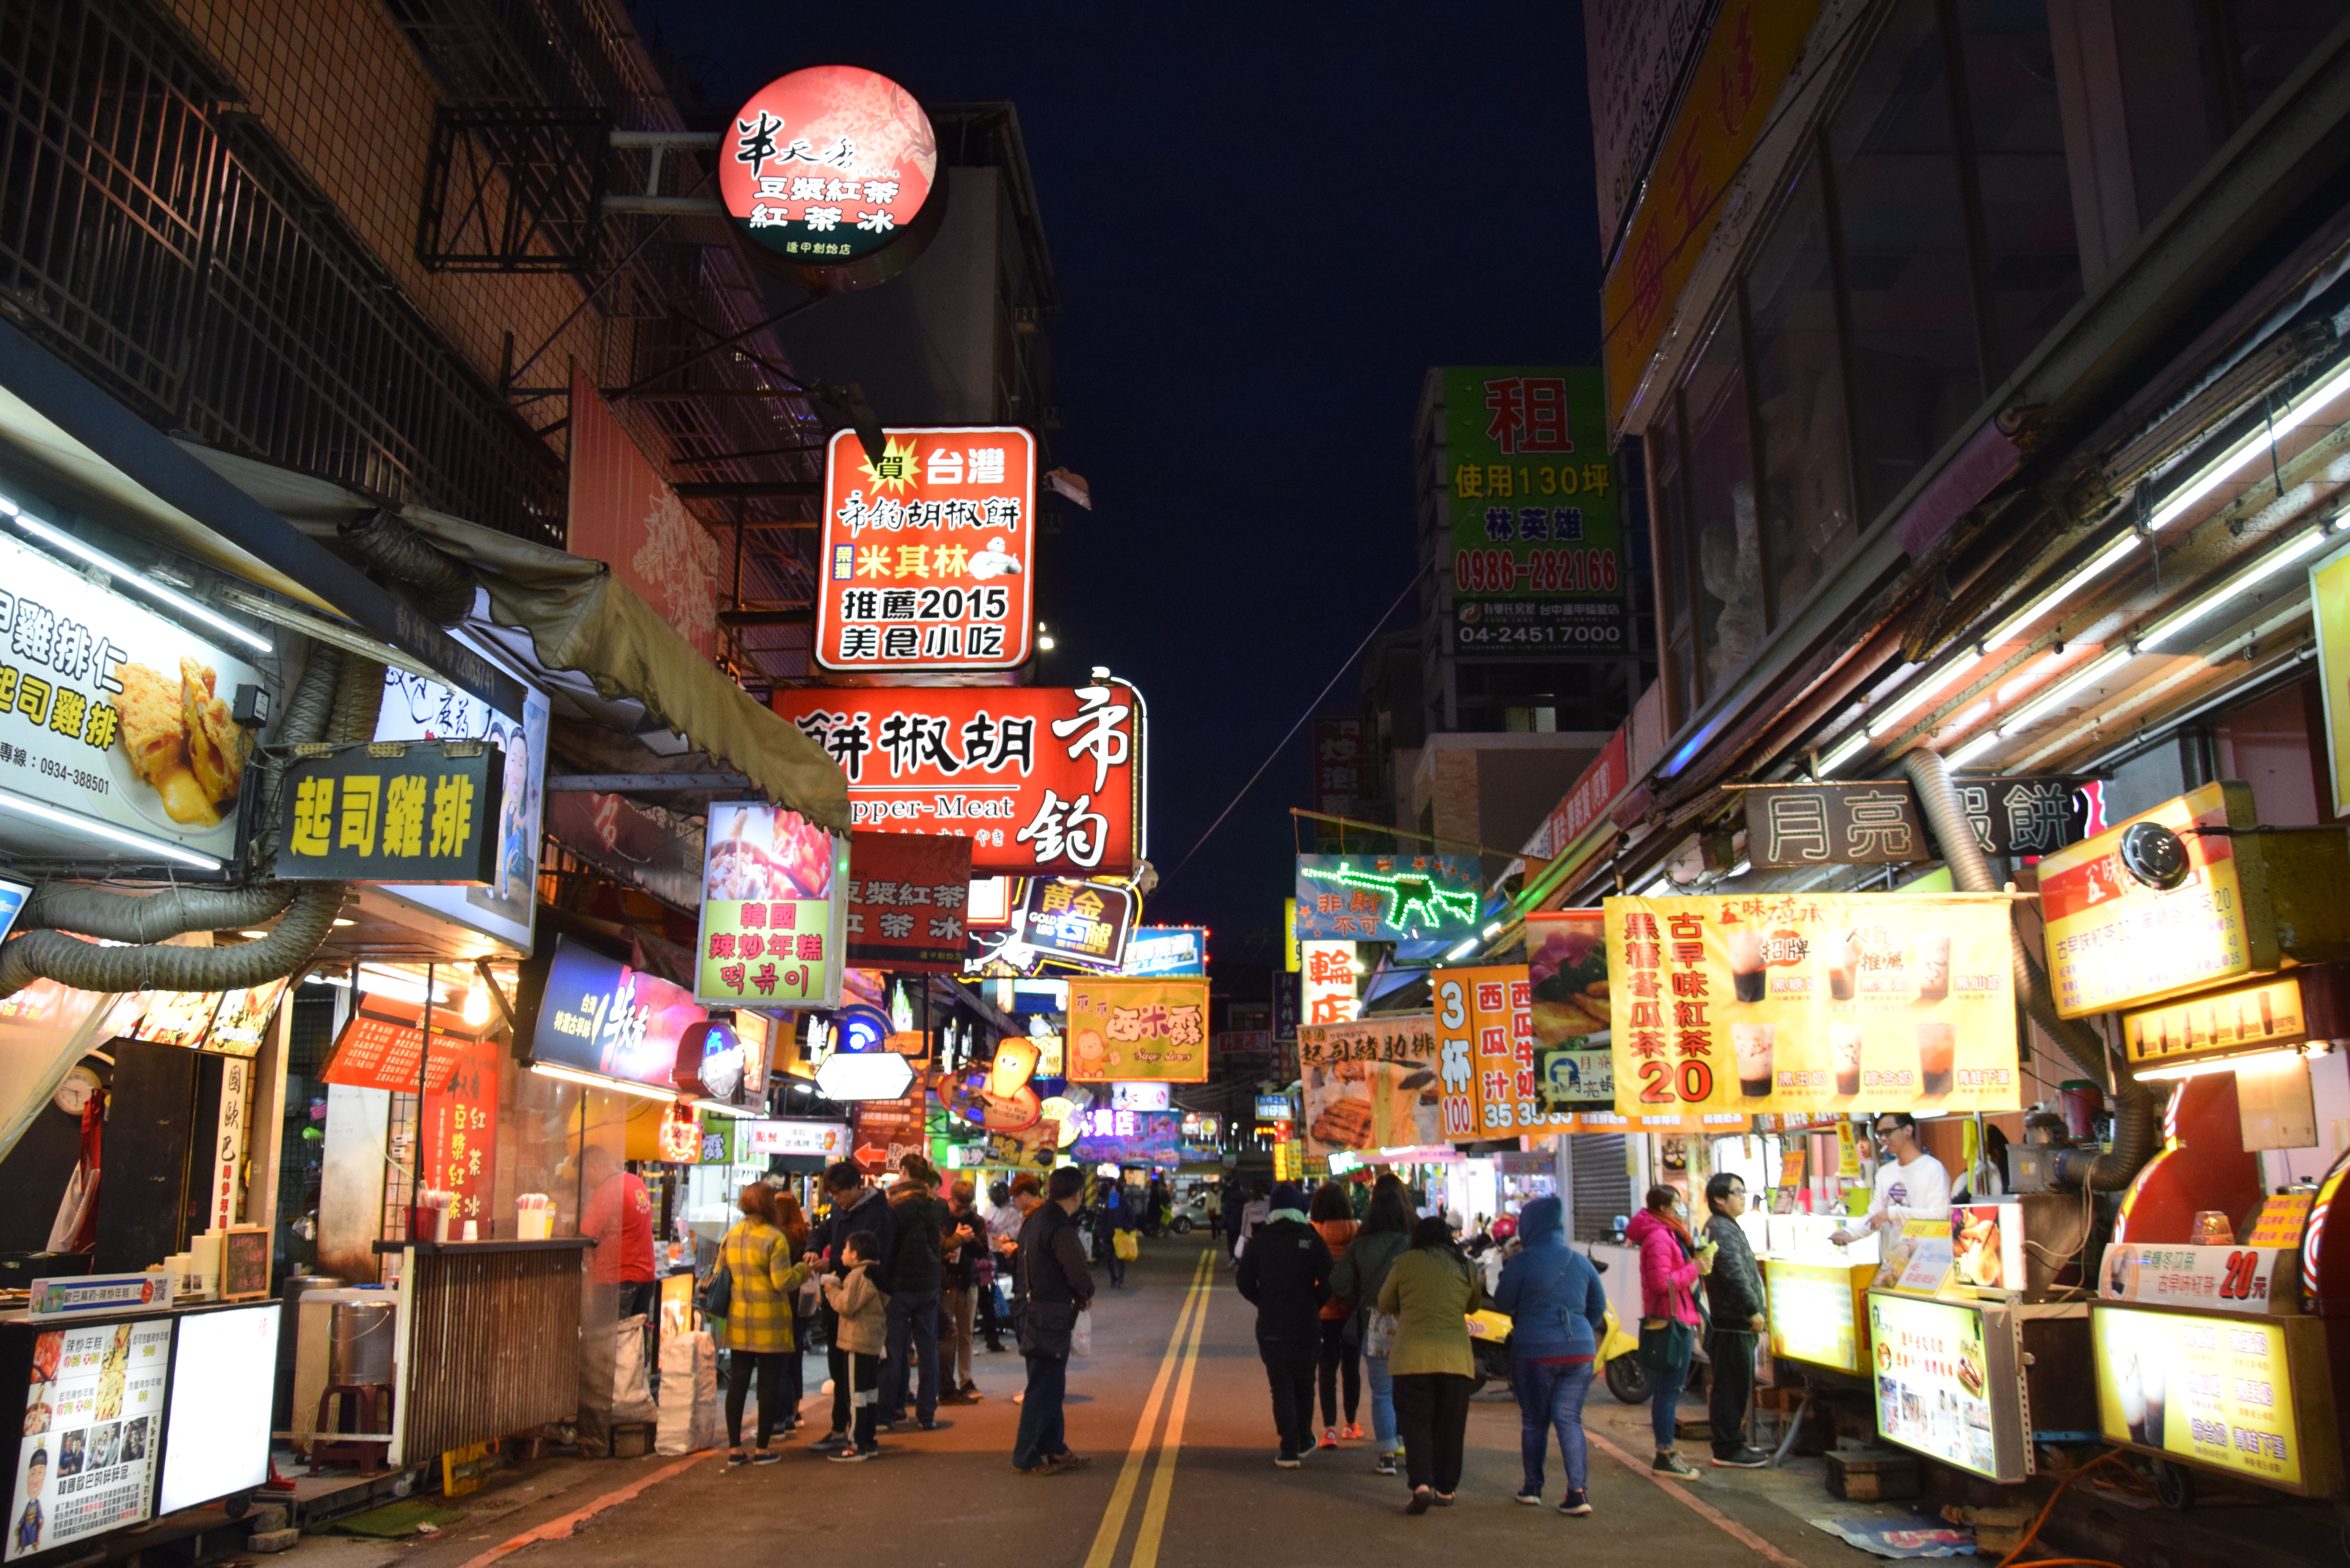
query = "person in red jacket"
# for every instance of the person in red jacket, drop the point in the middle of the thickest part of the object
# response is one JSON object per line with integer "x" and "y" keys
{"x": 1671, "y": 1264}
{"x": 619, "y": 1213}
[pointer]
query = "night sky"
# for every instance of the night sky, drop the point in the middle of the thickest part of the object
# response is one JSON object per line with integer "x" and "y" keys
{"x": 1266, "y": 221}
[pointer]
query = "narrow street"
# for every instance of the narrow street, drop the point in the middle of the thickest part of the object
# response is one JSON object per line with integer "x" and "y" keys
{"x": 1178, "y": 1426}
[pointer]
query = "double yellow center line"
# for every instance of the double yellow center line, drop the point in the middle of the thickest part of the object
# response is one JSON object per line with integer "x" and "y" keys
{"x": 1192, "y": 1319}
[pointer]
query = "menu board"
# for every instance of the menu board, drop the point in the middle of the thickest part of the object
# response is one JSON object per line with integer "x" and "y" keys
{"x": 2212, "y": 1389}
{"x": 2218, "y": 1279}
{"x": 1368, "y": 1085}
{"x": 1485, "y": 1032}
{"x": 1933, "y": 1380}
{"x": 1813, "y": 1315}
{"x": 1882, "y": 1001}
{"x": 93, "y": 1422}
{"x": 244, "y": 1017}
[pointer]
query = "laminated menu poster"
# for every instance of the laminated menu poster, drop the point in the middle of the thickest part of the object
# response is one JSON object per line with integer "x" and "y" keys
{"x": 2216, "y": 1390}
{"x": 1369, "y": 1085}
{"x": 93, "y": 1422}
{"x": 1932, "y": 1380}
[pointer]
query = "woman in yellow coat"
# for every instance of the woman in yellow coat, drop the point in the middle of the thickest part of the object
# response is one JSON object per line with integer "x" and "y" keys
{"x": 1431, "y": 1290}
{"x": 767, "y": 1283}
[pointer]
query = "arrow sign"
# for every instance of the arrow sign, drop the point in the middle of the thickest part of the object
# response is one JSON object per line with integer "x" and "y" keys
{"x": 867, "y": 1154}
{"x": 864, "y": 1076}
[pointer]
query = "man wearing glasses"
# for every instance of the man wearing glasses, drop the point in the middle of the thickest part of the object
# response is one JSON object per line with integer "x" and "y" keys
{"x": 1910, "y": 1183}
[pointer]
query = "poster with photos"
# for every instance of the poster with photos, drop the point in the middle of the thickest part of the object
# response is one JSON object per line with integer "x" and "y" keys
{"x": 93, "y": 1421}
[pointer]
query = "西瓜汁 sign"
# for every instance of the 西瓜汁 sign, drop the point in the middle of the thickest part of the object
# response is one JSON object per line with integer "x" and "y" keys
{"x": 1369, "y": 1084}
{"x": 393, "y": 812}
{"x": 1148, "y": 1029}
{"x": 928, "y": 551}
{"x": 2159, "y": 904}
{"x": 2247, "y": 1395}
{"x": 827, "y": 165}
{"x": 1536, "y": 517}
{"x": 1881, "y": 1001}
{"x": 1081, "y": 923}
{"x": 1044, "y": 781}
{"x": 1387, "y": 898}
{"x": 907, "y": 902}
{"x": 771, "y": 912}
{"x": 1487, "y": 1062}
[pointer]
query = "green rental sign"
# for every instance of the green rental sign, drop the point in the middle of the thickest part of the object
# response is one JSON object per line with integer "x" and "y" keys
{"x": 1538, "y": 562}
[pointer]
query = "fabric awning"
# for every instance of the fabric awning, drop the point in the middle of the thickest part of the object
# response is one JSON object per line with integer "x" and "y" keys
{"x": 580, "y": 617}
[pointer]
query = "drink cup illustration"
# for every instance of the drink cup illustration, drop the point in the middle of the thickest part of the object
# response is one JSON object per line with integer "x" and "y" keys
{"x": 2150, "y": 1391}
{"x": 1754, "y": 1042}
{"x": 1746, "y": 963}
{"x": 1843, "y": 959}
{"x": 1937, "y": 1044}
{"x": 1933, "y": 966}
{"x": 2133, "y": 1395}
{"x": 1844, "y": 1046}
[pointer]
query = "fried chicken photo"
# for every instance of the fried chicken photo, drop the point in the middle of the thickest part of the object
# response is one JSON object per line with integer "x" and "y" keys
{"x": 216, "y": 746}
{"x": 182, "y": 740}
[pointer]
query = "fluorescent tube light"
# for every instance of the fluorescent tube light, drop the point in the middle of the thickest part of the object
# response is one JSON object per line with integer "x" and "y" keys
{"x": 2096, "y": 566}
{"x": 2244, "y": 582}
{"x": 1845, "y": 750}
{"x": 75, "y": 822}
{"x": 2245, "y": 451}
{"x": 596, "y": 1080}
{"x": 130, "y": 576}
{"x": 2218, "y": 1064}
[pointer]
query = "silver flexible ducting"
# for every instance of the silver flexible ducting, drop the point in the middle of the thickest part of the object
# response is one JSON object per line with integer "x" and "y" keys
{"x": 2138, "y": 1110}
{"x": 336, "y": 700}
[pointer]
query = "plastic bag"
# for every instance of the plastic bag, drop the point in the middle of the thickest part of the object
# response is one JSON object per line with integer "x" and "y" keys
{"x": 689, "y": 1395}
{"x": 1380, "y": 1337}
{"x": 1616, "y": 1342}
{"x": 632, "y": 1393}
{"x": 1081, "y": 1337}
{"x": 1127, "y": 1245}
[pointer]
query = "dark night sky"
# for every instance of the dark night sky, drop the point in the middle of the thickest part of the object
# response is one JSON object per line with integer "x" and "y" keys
{"x": 1266, "y": 223}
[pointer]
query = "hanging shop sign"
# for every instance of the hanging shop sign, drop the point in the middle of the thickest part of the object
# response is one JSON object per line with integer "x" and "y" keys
{"x": 886, "y": 1130}
{"x": 1886, "y": 1001}
{"x": 864, "y": 1076}
{"x": 1947, "y": 1384}
{"x": 1084, "y": 924}
{"x": 596, "y": 1014}
{"x": 2159, "y": 904}
{"x": 1148, "y": 1029}
{"x": 1129, "y": 1138}
{"x": 1044, "y": 781}
{"x": 2212, "y": 1279}
{"x": 906, "y": 898}
{"x": 1387, "y": 898}
{"x": 708, "y": 1064}
{"x": 242, "y": 1018}
{"x": 1369, "y": 1084}
{"x": 461, "y": 1130}
{"x": 1535, "y": 512}
{"x": 393, "y": 812}
{"x": 2019, "y": 816}
{"x": 1141, "y": 1097}
{"x": 2329, "y": 602}
{"x": 1327, "y": 977}
{"x": 418, "y": 709}
{"x": 822, "y": 1140}
{"x": 1606, "y": 776}
{"x": 929, "y": 551}
{"x": 1166, "y": 952}
{"x": 1833, "y": 825}
{"x": 1342, "y": 775}
{"x": 1567, "y": 952}
{"x": 182, "y": 1018}
{"x": 1485, "y": 1033}
{"x": 758, "y": 1031}
{"x": 2217, "y": 1022}
{"x": 93, "y": 1430}
{"x": 2247, "y": 1395}
{"x": 827, "y": 165}
{"x": 772, "y": 918}
{"x": 972, "y": 1096}
{"x": 382, "y": 1047}
{"x": 118, "y": 719}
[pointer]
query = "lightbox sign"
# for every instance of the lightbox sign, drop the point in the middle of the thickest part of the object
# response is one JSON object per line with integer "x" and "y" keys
{"x": 774, "y": 912}
{"x": 1156, "y": 951}
{"x": 929, "y": 551}
{"x": 908, "y": 896}
{"x": 1141, "y": 1096}
{"x": 825, "y": 165}
{"x": 393, "y": 812}
{"x": 2247, "y": 1395}
{"x": 1387, "y": 898}
{"x": 1148, "y": 1029}
{"x": 823, "y": 1140}
{"x": 1042, "y": 779}
{"x": 1081, "y": 923}
{"x": 600, "y": 1015}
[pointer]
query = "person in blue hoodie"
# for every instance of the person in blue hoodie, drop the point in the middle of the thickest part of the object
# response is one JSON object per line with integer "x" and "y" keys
{"x": 1558, "y": 1314}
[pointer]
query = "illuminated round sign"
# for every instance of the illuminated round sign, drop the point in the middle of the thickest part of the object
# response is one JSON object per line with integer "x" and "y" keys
{"x": 1065, "y": 1111}
{"x": 857, "y": 1030}
{"x": 709, "y": 1061}
{"x": 825, "y": 167}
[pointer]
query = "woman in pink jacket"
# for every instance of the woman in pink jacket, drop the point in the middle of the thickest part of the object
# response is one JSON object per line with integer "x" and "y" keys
{"x": 1669, "y": 1266}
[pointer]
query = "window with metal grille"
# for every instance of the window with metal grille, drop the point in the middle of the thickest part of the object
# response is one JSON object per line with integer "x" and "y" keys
{"x": 1602, "y": 1183}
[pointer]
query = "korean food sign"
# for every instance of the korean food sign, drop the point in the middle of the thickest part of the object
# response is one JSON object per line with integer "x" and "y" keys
{"x": 827, "y": 164}
{"x": 928, "y": 551}
{"x": 1875, "y": 1001}
{"x": 773, "y": 916}
{"x": 1369, "y": 1085}
{"x": 907, "y": 902}
{"x": 2155, "y": 906}
{"x": 1042, "y": 781}
{"x": 110, "y": 712}
{"x": 1487, "y": 1055}
{"x": 393, "y": 812}
{"x": 1535, "y": 514}
{"x": 1387, "y": 898}
{"x": 1153, "y": 1030}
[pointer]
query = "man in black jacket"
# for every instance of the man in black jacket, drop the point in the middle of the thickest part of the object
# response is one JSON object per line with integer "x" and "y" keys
{"x": 1285, "y": 1270}
{"x": 914, "y": 1276}
{"x": 1734, "y": 1295}
{"x": 1055, "y": 1286}
{"x": 856, "y": 1208}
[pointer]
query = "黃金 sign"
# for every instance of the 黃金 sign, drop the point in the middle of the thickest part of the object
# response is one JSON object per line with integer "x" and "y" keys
{"x": 392, "y": 811}
{"x": 2155, "y": 906}
{"x": 1138, "y": 1029}
{"x": 2268, "y": 1013}
{"x": 1878, "y": 1001}
{"x": 2219, "y": 1391}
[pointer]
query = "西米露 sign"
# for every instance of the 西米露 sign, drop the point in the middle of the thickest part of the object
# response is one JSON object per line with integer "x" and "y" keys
{"x": 1148, "y": 1029}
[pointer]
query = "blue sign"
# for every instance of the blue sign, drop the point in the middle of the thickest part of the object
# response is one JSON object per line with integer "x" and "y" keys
{"x": 12, "y": 902}
{"x": 860, "y": 1029}
{"x": 1388, "y": 897}
{"x": 1158, "y": 951}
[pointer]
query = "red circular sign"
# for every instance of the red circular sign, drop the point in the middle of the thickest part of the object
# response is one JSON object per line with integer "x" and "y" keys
{"x": 827, "y": 165}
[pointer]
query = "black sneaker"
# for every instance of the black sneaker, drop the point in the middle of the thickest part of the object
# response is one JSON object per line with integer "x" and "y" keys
{"x": 1384, "y": 1466}
{"x": 853, "y": 1455}
{"x": 1744, "y": 1459}
{"x": 1576, "y": 1504}
{"x": 931, "y": 1425}
{"x": 832, "y": 1440}
{"x": 1672, "y": 1465}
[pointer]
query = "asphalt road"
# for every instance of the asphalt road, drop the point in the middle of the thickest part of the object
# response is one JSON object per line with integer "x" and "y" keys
{"x": 1173, "y": 1409}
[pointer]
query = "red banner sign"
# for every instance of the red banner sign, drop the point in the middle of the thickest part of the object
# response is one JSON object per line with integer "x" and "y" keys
{"x": 382, "y": 1047}
{"x": 1600, "y": 782}
{"x": 461, "y": 1131}
{"x": 1040, "y": 779}
{"x": 906, "y": 894}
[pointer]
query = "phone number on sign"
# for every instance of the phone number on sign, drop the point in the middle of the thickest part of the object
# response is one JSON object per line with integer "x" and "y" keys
{"x": 1569, "y": 571}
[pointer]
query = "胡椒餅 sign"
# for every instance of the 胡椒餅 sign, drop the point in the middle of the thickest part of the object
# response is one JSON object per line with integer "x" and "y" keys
{"x": 772, "y": 914}
{"x": 1044, "y": 781}
{"x": 827, "y": 165}
{"x": 1536, "y": 524}
{"x": 1870, "y": 1001}
{"x": 907, "y": 900}
{"x": 928, "y": 551}
{"x": 1128, "y": 1029}
{"x": 393, "y": 812}
{"x": 1387, "y": 898}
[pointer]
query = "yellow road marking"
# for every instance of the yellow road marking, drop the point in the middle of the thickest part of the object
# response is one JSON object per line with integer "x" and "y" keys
{"x": 1113, "y": 1524}
{"x": 1162, "y": 1479}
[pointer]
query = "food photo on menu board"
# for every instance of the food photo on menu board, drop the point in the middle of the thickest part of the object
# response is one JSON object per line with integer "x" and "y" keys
{"x": 93, "y": 1421}
{"x": 1370, "y": 1085}
{"x": 774, "y": 911}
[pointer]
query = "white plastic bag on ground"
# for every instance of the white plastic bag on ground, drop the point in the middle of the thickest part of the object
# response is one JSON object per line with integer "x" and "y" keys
{"x": 632, "y": 1393}
{"x": 689, "y": 1395}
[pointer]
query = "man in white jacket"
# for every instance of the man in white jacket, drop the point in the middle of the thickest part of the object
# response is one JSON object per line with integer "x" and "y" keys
{"x": 1910, "y": 1183}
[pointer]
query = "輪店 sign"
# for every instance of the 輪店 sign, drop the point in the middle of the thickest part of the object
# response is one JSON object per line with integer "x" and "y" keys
{"x": 111, "y": 712}
{"x": 1044, "y": 781}
{"x": 773, "y": 915}
{"x": 1326, "y": 977}
{"x": 1881, "y": 1001}
{"x": 825, "y": 165}
{"x": 928, "y": 551}
{"x": 822, "y": 1140}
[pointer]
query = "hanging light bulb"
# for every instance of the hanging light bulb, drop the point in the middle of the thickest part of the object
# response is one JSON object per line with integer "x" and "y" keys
{"x": 477, "y": 1005}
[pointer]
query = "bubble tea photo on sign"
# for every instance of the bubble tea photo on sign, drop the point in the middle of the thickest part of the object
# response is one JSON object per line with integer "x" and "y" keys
{"x": 1844, "y": 1046}
{"x": 1746, "y": 963}
{"x": 1753, "y": 1043}
{"x": 1933, "y": 966}
{"x": 1843, "y": 955}
{"x": 1937, "y": 1044}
